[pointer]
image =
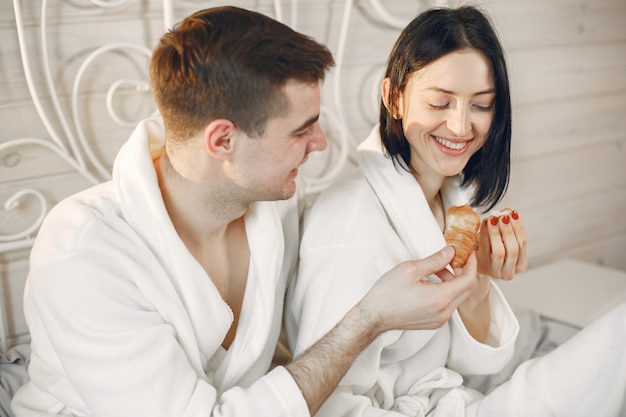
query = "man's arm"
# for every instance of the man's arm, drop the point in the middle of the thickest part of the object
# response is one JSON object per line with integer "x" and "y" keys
{"x": 399, "y": 300}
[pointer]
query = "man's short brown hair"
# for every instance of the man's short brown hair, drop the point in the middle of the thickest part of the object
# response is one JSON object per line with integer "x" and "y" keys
{"x": 231, "y": 63}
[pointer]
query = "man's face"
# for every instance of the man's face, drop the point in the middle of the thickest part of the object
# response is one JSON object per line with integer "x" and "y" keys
{"x": 268, "y": 165}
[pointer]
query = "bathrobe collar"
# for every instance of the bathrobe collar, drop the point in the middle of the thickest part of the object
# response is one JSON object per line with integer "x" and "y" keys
{"x": 192, "y": 302}
{"x": 403, "y": 199}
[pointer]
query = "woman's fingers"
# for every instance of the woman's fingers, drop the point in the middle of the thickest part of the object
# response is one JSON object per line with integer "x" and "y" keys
{"x": 498, "y": 249}
{"x": 520, "y": 236}
{"x": 509, "y": 240}
{"x": 502, "y": 245}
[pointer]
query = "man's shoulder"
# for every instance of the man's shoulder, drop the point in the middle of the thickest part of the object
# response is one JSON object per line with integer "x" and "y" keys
{"x": 70, "y": 222}
{"x": 83, "y": 239}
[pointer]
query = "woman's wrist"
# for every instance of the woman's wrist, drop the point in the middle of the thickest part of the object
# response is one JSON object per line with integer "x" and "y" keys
{"x": 476, "y": 310}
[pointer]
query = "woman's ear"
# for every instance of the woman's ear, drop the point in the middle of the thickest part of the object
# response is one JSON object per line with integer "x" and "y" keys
{"x": 219, "y": 138}
{"x": 394, "y": 108}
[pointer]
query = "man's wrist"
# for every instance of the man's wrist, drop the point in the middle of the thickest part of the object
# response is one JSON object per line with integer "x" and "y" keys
{"x": 320, "y": 368}
{"x": 366, "y": 323}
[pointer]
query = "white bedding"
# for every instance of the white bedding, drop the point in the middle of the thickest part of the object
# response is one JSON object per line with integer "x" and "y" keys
{"x": 13, "y": 373}
{"x": 538, "y": 336}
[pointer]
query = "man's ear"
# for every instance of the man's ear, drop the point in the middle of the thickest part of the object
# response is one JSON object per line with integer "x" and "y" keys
{"x": 219, "y": 138}
{"x": 394, "y": 108}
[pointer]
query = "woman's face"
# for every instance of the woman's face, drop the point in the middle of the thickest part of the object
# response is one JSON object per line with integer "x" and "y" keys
{"x": 446, "y": 111}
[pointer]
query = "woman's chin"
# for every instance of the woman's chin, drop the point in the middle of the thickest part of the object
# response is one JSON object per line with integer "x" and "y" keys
{"x": 449, "y": 171}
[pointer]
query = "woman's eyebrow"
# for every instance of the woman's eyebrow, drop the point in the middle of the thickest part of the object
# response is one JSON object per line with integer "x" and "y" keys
{"x": 452, "y": 93}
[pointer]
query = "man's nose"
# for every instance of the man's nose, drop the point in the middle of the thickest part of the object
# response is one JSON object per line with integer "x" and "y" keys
{"x": 318, "y": 141}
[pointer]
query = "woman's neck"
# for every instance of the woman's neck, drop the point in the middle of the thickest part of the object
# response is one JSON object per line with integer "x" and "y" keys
{"x": 431, "y": 187}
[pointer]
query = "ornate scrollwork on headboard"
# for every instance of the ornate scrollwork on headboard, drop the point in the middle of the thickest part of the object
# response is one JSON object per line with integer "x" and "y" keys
{"x": 59, "y": 91}
{"x": 66, "y": 136}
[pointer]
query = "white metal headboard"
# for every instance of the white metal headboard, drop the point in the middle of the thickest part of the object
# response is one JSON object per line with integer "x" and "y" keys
{"x": 68, "y": 139}
{"x": 60, "y": 107}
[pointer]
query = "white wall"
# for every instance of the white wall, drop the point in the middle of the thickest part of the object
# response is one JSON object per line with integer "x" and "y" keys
{"x": 567, "y": 60}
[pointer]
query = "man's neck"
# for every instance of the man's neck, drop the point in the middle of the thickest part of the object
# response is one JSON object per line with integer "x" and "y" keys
{"x": 200, "y": 211}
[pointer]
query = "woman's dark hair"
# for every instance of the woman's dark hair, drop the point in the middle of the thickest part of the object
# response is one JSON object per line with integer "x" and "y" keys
{"x": 427, "y": 38}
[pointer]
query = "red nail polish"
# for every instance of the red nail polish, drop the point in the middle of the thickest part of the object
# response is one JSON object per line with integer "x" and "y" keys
{"x": 485, "y": 223}
{"x": 515, "y": 215}
{"x": 494, "y": 220}
{"x": 506, "y": 219}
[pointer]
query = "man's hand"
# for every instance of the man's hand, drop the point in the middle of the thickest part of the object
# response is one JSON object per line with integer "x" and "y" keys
{"x": 402, "y": 299}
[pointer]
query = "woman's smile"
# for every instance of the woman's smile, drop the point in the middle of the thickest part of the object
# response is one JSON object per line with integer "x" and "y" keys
{"x": 451, "y": 147}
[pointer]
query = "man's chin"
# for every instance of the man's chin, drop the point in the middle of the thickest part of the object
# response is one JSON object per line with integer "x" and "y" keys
{"x": 281, "y": 195}
{"x": 290, "y": 190}
{"x": 287, "y": 195}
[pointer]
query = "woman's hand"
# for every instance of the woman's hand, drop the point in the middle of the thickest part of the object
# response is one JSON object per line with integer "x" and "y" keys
{"x": 502, "y": 246}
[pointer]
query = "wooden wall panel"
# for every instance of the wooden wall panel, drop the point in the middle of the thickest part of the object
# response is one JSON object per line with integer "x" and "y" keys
{"x": 566, "y": 72}
{"x": 102, "y": 134}
{"x": 540, "y": 23}
{"x": 571, "y": 225}
{"x": 551, "y": 178}
{"x": 608, "y": 251}
{"x": 551, "y": 127}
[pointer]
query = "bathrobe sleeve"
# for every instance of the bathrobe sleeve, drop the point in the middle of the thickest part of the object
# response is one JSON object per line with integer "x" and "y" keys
{"x": 468, "y": 356}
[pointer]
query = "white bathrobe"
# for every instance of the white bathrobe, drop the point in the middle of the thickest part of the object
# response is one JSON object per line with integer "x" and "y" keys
{"x": 356, "y": 231}
{"x": 126, "y": 323}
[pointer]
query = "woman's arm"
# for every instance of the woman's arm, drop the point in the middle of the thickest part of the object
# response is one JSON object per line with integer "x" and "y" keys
{"x": 475, "y": 311}
{"x": 501, "y": 254}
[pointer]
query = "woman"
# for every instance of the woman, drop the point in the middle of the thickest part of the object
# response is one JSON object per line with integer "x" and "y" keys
{"x": 443, "y": 139}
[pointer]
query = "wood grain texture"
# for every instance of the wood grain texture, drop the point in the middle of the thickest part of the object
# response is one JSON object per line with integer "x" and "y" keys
{"x": 567, "y": 61}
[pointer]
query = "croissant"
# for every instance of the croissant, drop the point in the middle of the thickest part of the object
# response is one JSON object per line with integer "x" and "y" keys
{"x": 461, "y": 231}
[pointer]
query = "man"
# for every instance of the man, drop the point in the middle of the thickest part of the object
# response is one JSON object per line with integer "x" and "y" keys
{"x": 160, "y": 293}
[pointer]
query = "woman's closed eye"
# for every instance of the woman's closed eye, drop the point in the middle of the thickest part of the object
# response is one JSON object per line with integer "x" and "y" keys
{"x": 479, "y": 107}
{"x": 439, "y": 106}
{"x": 483, "y": 107}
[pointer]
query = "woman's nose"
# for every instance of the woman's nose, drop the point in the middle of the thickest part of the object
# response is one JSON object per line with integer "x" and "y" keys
{"x": 459, "y": 122}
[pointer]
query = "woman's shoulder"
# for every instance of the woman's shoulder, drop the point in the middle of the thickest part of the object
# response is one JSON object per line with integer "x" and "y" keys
{"x": 343, "y": 197}
{"x": 348, "y": 207}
